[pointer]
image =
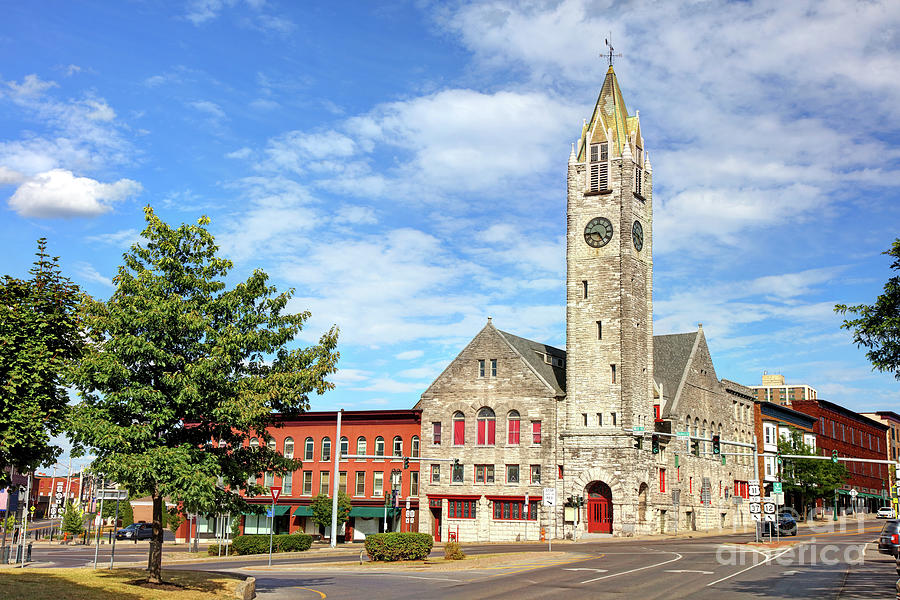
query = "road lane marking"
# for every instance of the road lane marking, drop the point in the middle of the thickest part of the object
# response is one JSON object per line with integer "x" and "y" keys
{"x": 677, "y": 557}
{"x": 769, "y": 559}
{"x": 689, "y": 571}
{"x": 587, "y": 569}
{"x": 321, "y": 594}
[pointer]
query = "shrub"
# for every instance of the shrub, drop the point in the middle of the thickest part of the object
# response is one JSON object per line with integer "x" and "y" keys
{"x": 250, "y": 544}
{"x": 295, "y": 542}
{"x": 213, "y": 550}
{"x": 452, "y": 551}
{"x": 398, "y": 546}
{"x": 259, "y": 544}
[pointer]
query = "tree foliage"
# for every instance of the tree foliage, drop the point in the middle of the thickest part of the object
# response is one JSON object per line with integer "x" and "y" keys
{"x": 73, "y": 518}
{"x": 38, "y": 339}
{"x": 321, "y": 509}
{"x": 808, "y": 478}
{"x": 126, "y": 514}
{"x": 877, "y": 326}
{"x": 181, "y": 372}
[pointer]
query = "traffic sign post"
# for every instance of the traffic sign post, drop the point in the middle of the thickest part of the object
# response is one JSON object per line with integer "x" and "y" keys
{"x": 549, "y": 498}
{"x": 275, "y": 491}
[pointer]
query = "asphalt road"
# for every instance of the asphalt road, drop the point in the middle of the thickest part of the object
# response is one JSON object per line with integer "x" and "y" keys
{"x": 816, "y": 565}
{"x": 813, "y": 566}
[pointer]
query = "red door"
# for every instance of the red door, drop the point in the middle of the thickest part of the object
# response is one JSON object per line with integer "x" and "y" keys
{"x": 436, "y": 517}
{"x": 599, "y": 508}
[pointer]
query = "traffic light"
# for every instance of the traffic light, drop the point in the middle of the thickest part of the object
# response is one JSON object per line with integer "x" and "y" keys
{"x": 834, "y": 456}
{"x": 654, "y": 443}
{"x": 717, "y": 447}
{"x": 405, "y": 462}
{"x": 455, "y": 462}
{"x": 778, "y": 458}
{"x": 695, "y": 447}
{"x": 570, "y": 501}
{"x": 580, "y": 500}
{"x": 639, "y": 442}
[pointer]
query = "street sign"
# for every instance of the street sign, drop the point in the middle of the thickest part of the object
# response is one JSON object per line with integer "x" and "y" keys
{"x": 269, "y": 513}
{"x": 683, "y": 434}
{"x": 637, "y": 429}
{"x": 676, "y": 498}
{"x": 112, "y": 494}
{"x": 854, "y": 493}
{"x": 549, "y": 496}
{"x": 776, "y": 487}
{"x": 276, "y": 491}
{"x": 769, "y": 509}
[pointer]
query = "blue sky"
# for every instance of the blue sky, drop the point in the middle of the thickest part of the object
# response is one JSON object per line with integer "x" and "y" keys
{"x": 402, "y": 165}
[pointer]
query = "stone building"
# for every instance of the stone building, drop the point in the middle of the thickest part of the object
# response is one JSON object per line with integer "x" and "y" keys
{"x": 593, "y": 422}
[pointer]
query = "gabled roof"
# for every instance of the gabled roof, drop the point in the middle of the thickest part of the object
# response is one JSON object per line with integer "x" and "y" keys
{"x": 533, "y": 353}
{"x": 671, "y": 354}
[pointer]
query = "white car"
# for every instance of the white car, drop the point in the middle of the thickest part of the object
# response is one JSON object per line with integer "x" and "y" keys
{"x": 885, "y": 512}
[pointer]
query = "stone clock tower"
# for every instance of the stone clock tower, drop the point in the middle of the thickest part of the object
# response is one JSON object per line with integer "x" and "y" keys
{"x": 609, "y": 314}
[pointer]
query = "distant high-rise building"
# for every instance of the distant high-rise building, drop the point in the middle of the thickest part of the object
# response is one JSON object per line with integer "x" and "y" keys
{"x": 774, "y": 389}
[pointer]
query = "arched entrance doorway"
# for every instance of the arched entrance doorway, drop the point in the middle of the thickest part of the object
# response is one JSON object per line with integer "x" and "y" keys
{"x": 600, "y": 508}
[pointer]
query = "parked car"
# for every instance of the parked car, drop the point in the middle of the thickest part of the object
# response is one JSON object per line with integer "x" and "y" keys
{"x": 889, "y": 539}
{"x": 885, "y": 512}
{"x": 135, "y": 531}
{"x": 787, "y": 525}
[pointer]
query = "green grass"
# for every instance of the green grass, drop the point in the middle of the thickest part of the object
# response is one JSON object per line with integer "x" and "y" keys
{"x": 118, "y": 584}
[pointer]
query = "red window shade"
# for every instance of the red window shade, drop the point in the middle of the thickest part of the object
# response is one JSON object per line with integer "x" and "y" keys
{"x": 656, "y": 412}
{"x": 662, "y": 480}
{"x": 536, "y": 432}
{"x": 491, "y": 431}
{"x": 513, "y": 431}
{"x": 459, "y": 432}
{"x": 481, "y": 436}
{"x": 486, "y": 432}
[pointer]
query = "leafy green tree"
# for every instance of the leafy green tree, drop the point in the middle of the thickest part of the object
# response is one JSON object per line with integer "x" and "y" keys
{"x": 321, "y": 509}
{"x": 73, "y": 518}
{"x": 39, "y": 336}
{"x": 808, "y": 478}
{"x": 180, "y": 372}
{"x": 126, "y": 514}
{"x": 877, "y": 326}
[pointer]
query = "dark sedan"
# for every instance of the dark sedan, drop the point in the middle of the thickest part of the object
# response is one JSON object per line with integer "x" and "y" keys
{"x": 889, "y": 539}
{"x": 135, "y": 531}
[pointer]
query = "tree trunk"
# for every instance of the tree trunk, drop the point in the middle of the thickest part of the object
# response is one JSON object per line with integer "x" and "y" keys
{"x": 154, "y": 561}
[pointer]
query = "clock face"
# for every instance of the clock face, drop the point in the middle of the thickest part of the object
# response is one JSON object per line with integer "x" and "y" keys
{"x": 598, "y": 232}
{"x": 637, "y": 235}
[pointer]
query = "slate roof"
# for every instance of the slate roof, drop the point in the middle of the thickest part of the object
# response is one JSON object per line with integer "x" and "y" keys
{"x": 670, "y": 358}
{"x": 534, "y": 352}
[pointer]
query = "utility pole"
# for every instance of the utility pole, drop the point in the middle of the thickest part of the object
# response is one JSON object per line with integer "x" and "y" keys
{"x": 98, "y": 521}
{"x": 3, "y": 549}
{"x": 112, "y": 552}
{"x": 336, "y": 479}
{"x": 25, "y": 519}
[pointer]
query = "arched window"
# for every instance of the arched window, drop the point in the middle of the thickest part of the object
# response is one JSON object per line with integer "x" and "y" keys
{"x": 308, "y": 452}
{"x": 361, "y": 446}
{"x": 415, "y": 446}
{"x": 512, "y": 427}
{"x": 379, "y": 446}
{"x": 696, "y": 426}
{"x": 398, "y": 445}
{"x": 326, "y": 449}
{"x": 486, "y": 427}
{"x": 254, "y": 443}
{"x": 459, "y": 428}
{"x": 345, "y": 447}
{"x": 289, "y": 447}
{"x": 273, "y": 445}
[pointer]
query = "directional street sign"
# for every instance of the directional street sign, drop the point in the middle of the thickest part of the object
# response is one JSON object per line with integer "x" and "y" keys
{"x": 854, "y": 493}
{"x": 769, "y": 509}
{"x": 682, "y": 434}
{"x": 549, "y": 496}
{"x": 776, "y": 487}
{"x": 637, "y": 429}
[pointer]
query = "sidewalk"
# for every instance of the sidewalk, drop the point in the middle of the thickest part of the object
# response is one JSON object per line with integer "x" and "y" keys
{"x": 875, "y": 578}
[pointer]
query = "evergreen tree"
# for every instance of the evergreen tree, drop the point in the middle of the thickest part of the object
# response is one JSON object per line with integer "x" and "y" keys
{"x": 180, "y": 372}
{"x": 39, "y": 337}
{"x": 73, "y": 518}
{"x": 126, "y": 514}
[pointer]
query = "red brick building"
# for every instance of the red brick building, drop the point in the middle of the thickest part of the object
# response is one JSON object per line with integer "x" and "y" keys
{"x": 852, "y": 435}
{"x": 312, "y": 439}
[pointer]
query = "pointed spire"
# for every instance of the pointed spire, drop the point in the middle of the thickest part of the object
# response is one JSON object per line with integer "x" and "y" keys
{"x": 626, "y": 151}
{"x": 572, "y": 154}
{"x": 647, "y": 164}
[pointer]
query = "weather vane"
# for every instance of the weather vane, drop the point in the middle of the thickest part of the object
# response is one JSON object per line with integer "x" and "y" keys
{"x": 610, "y": 54}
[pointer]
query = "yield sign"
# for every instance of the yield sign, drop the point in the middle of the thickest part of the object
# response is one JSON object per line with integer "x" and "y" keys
{"x": 276, "y": 491}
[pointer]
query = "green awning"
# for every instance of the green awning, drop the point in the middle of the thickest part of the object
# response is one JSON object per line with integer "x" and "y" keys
{"x": 303, "y": 511}
{"x": 369, "y": 511}
{"x": 280, "y": 511}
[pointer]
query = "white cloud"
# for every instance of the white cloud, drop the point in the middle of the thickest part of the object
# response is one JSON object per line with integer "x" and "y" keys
{"x": 410, "y": 354}
{"x": 87, "y": 272}
{"x": 210, "y": 108}
{"x": 58, "y": 193}
{"x": 123, "y": 238}
{"x": 8, "y": 176}
{"x": 240, "y": 153}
